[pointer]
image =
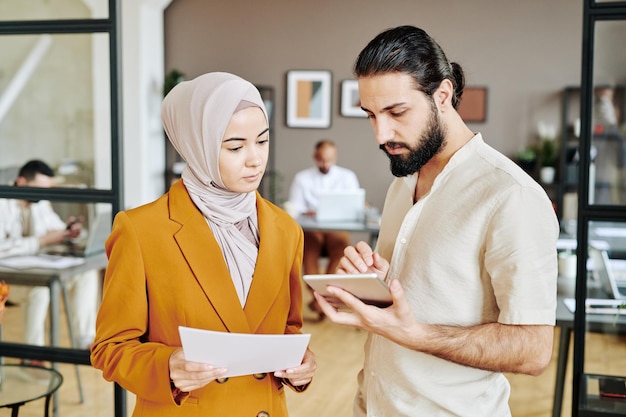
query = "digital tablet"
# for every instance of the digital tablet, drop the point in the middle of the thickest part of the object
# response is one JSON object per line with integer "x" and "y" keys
{"x": 367, "y": 287}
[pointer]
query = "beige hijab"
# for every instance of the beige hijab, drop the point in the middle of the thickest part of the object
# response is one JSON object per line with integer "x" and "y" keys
{"x": 195, "y": 115}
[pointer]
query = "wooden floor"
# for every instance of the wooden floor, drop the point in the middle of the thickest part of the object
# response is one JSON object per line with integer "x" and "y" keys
{"x": 339, "y": 354}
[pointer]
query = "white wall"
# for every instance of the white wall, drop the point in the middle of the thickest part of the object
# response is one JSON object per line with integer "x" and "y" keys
{"x": 142, "y": 82}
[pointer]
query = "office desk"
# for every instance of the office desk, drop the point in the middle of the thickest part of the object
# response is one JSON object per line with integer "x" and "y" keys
{"x": 54, "y": 279}
{"x": 599, "y": 323}
{"x": 606, "y": 234}
{"x": 310, "y": 224}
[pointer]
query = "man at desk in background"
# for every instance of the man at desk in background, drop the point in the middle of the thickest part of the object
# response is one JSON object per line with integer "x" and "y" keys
{"x": 303, "y": 201}
{"x": 25, "y": 228}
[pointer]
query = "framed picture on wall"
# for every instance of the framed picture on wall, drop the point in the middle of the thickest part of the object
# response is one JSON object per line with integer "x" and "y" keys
{"x": 473, "y": 105}
{"x": 308, "y": 99}
{"x": 350, "y": 100}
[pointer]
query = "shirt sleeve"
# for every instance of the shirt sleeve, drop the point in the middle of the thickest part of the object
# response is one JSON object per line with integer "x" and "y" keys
{"x": 521, "y": 257}
{"x": 12, "y": 243}
{"x": 352, "y": 181}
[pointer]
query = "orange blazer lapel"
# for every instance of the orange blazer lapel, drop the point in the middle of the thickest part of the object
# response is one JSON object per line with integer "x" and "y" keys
{"x": 265, "y": 287}
{"x": 204, "y": 256}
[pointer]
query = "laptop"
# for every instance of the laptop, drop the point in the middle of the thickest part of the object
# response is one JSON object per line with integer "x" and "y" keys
{"x": 341, "y": 206}
{"x": 92, "y": 245}
{"x": 613, "y": 287}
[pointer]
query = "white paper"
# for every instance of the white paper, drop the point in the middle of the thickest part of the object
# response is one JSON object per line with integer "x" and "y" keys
{"x": 41, "y": 261}
{"x": 244, "y": 354}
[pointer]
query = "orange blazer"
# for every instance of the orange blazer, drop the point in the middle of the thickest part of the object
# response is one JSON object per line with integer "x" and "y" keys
{"x": 166, "y": 269}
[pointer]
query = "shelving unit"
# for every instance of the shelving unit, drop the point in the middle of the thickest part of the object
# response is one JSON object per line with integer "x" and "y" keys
{"x": 603, "y": 136}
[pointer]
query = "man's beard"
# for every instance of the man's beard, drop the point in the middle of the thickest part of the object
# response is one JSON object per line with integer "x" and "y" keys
{"x": 429, "y": 144}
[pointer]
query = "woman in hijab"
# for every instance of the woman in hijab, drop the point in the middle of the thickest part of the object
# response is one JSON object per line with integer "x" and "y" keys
{"x": 210, "y": 254}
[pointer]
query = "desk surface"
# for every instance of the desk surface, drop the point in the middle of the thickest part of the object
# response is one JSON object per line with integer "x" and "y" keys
{"x": 597, "y": 323}
{"x": 610, "y": 234}
{"x": 43, "y": 276}
{"x": 310, "y": 224}
{"x": 20, "y": 384}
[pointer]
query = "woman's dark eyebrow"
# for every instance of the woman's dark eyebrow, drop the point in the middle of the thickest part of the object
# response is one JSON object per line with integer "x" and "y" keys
{"x": 242, "y": 139}
{"x": 263, "y": 132}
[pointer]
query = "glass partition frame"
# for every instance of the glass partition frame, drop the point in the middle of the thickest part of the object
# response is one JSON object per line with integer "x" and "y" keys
{"x": 588, "y": 213}
{"x": 86, "y": 26}
{"x": 114, "y": 196}
{"x": 41, "y": 9}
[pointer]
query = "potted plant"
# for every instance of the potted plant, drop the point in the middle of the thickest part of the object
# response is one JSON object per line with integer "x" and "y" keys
{"x": 547, "y": 151}
{"x": 171, "y": 79}
{"x": 548, "y": 161}
{"x": 527, "y": 159}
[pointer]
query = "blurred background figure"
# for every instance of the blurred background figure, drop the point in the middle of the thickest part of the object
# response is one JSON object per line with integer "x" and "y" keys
{"x": 26, "y": 227}
{"x": 303, "y": 201}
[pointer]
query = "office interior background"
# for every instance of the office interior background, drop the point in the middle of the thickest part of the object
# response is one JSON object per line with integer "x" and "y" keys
{"x": 525, "y": 54}
{"x": 54, "y": 90}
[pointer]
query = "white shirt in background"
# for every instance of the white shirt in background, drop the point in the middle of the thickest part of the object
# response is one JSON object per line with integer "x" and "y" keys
{"x": 306, "y": 185}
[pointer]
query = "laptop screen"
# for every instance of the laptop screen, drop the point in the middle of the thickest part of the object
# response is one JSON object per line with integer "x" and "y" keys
{"x": 341, "y": 206}
{"x": 602, "y": 267}
{"x": 100, "y": 231}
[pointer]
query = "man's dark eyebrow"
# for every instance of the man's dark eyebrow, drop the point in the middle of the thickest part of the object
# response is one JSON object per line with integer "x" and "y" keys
{"x": 389, "y": 107}
{"x": 242, "y": 139}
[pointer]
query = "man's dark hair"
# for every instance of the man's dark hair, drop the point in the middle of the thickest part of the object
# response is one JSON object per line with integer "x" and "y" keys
{"x": 31, "y": 168}
{"x": 410, "y": 50}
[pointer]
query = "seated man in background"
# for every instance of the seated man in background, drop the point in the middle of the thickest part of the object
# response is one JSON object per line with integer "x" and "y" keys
{"x": 303, "y": 200}
{"x": 25, "y": 228}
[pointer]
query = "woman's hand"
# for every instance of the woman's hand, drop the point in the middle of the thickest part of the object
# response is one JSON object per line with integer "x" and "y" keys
{"x": 188, "y": 376}
{"x": 300, "y": 375}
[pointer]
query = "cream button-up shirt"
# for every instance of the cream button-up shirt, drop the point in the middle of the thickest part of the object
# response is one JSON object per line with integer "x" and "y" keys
{"x": 480, "y": 247}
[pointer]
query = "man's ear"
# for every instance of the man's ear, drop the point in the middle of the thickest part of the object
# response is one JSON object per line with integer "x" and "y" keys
{"x": 443, "y": 95}
{"x": 21, "y": 181}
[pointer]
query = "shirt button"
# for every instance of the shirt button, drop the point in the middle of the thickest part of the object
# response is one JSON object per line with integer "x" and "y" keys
{"x": 403, "y": 241}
